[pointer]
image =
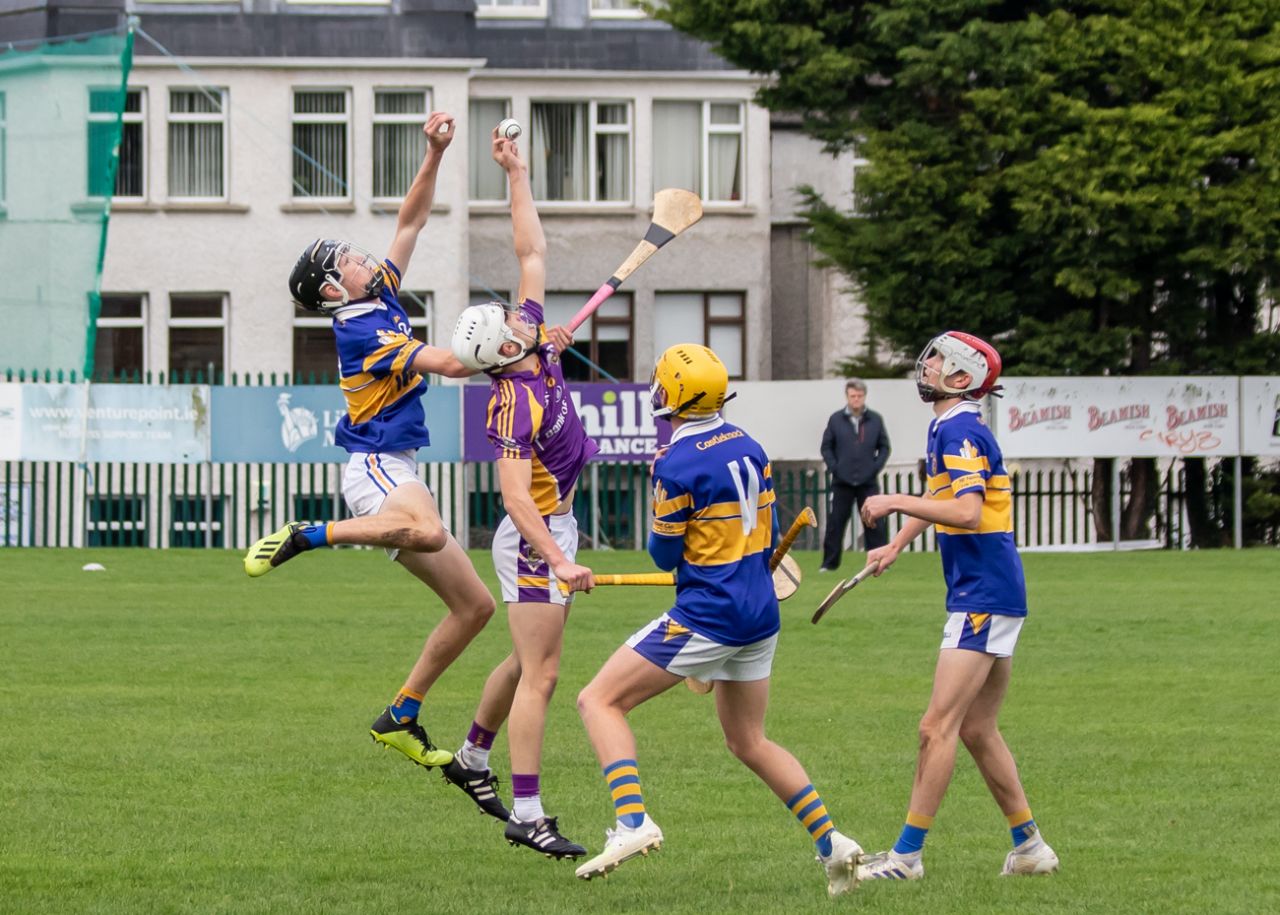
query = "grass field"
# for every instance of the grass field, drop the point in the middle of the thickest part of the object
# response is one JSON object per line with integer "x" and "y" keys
{"x": 177, "y": 738}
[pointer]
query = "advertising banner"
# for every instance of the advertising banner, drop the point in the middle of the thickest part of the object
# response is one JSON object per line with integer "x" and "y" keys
{"x": 294, "y": 424}
{"x": 615, "y": 415}
{"x": 165, "y": 424}
{"x": 11, "y": 421}
{"x": 1118, "y": 417}
{"x": 1260, "y": 416}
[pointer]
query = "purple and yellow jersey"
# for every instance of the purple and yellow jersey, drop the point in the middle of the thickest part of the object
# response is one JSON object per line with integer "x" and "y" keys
{"x": 714, "y": 489}
{"x": 981, "y": 568}
{"x": 375, "y": 348}
{"x": 531, "y": 417}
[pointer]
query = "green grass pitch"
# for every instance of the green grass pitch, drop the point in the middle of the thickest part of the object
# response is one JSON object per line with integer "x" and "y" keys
{"x": 175, "y": 737}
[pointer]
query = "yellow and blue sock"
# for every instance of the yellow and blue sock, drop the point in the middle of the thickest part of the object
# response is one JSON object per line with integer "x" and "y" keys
{"x": 316, "y": 535}
{"x": 812, "y": 814}
{"x": 406, "y": 706}
{"x": 911, "y": 840}
{"x": 624, "y": 784}
{"x": 1021, "y": 826}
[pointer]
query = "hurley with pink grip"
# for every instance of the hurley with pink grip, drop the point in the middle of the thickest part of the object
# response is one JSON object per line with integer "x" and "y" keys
{"x": 674, "y": 210}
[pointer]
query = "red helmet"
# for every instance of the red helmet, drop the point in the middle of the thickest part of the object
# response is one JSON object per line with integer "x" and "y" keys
{"x": 960, "y": 352}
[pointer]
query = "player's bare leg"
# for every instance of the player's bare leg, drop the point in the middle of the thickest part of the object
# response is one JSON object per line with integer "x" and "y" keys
{"x": 741, "y": 706}
{"x": 537, "y": 631}
{"x": 470, "y": 769}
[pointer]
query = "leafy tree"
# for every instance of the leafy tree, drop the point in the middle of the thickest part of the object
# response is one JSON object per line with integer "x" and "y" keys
{"x": 1096, "y": 185}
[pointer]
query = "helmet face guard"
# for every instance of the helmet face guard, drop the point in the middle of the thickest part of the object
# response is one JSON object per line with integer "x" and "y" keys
{"x": 688, "y": 382}
{"x": 958, "y": 352}
{"x": 337, "y": 264}
{"x": 480, "y": 333}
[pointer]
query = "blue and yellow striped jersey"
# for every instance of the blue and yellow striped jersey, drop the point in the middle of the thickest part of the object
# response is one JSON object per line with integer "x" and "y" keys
{"x": 713, "y": 490}
{"x": 981, "y": 568}
{"x": 375, "y": 349}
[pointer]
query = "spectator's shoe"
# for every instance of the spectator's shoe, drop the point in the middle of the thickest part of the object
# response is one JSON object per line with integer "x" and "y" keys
{"x": 1033, "y": 856}
{"x": 481, "y": 785}
{"x": 889, "y": 865}
{"x": 542, "y": 835}
{"x": 409, "y": 738}
{"x": 826, "y": 568}
{"x": 622, "y": 844}
{"x": 842, "y": 864}
{"x": 275, "y": 549}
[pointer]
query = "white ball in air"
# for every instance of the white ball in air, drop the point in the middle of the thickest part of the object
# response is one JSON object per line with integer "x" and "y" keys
{"x": 510, "y": 128}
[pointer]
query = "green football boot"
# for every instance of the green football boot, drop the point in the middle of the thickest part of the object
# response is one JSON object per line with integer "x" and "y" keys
{"x": 274, "y": 549}
{"x": 409, "y": 738}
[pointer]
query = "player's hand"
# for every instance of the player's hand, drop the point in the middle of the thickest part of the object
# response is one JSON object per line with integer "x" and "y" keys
{"x": 437, "y": 140}
{"x": 578, "y": 578}
{"x": 561, "y": 338}
{"x": 875, "y": 508}
{"x": 885, "y": 555}
{"x": 506, "y": 153}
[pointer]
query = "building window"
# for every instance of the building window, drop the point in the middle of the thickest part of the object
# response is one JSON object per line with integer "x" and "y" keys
{"x": 488, "y": 180}
{"x": 399, "y": 144}
{"x": 315, "y": 355}
{"x": 615, "y": 9}
{"x": 120, "y": 345}
{"x": 102, "y": 133}
{"x": 698, "y": 146}
{"x": 714, "y": 319}
{"x": 581, "y": 151}
{"x": 197, "y": 143}
{"x": 513, "y": 9}
{"x": 197, "y": 335}
{"x": 604, "y": 338}
{"x": 321, "y": 151}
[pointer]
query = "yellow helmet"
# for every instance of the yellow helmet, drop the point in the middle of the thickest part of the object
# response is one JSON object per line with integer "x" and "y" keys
{"x": 689, "y": 381}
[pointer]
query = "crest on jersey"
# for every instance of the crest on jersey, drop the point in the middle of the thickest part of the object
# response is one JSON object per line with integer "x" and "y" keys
{"x": 967, "y": 450}
{"x": 387, "y": 337}
{"x": 530, "y": 557}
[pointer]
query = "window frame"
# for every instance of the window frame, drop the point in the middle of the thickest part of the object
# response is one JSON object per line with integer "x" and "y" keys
{"x": 139, "y": 322}
{"x": 220, "y": 323}
{"x": 704, "y": 150}
{"x": 414, "y": 118}
{"x": 184, "y": 117}
{"x": 538, "y": 10}
{"x": 126, "y": 118}
{"x": 595, "y": 321}
{"x": 708, "y": 320}
{"x": 506, "y": 188}
{"x": 594, "y": 130}
{"x": 311, "y": 118}
{"x": 625, "y": 14}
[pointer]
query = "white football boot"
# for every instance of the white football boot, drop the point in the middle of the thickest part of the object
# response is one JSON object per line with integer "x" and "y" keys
{"x": 622, "y": 844}
{"x": 842, "y": 864}
{"x": 1033, "y": 856}
{"x": 889, "y": 865}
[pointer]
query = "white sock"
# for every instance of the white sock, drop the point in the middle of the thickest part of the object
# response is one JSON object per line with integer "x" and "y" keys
{"x": 528, "y": 809}
{"x": 473, "y": 757}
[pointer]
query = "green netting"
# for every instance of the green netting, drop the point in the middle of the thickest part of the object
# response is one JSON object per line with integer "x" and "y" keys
{"x": 60, "y": 122}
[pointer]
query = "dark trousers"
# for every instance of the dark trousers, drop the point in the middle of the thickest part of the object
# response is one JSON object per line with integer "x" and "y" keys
{"x": 843, "y": 499}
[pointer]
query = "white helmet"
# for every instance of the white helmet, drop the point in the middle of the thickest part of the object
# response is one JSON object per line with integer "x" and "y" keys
{"x": 478, "y": 337}
{"x": 960, "y": 352}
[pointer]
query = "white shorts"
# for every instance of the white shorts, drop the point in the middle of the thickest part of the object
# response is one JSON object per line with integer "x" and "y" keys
{"x": 989, "y": 633}
{"x": 523, "y": 574}
{"x": 679, "y": 651}
{"x": 369, "y": 478}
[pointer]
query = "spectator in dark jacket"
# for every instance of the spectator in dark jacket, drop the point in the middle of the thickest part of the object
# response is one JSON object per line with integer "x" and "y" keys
{"x": 855, "y": 448}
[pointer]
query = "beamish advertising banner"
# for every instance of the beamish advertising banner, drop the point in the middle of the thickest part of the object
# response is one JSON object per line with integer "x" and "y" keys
{"x": 1260, "y": 416}
{"x": 164, "y": 424}
{"x": 615, "y": 415}
{"x": 1118, "y": 417}
{"x": 294, "y": 424}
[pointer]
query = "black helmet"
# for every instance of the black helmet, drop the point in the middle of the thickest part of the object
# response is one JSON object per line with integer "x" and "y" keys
{"x": 322, "y": 263}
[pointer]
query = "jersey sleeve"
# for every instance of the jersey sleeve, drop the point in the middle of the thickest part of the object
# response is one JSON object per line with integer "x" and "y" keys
{"x": 388, "y": 352}
{"x": 391, "y": 284}
{"x": 965, "y": 464}
{"x": 511, "y": 422}
{"x": 672, "y": 505}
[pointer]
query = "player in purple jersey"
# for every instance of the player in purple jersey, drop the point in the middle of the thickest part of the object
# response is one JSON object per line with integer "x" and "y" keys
{"x": 383, "y": 371}
{"x": 714, "y": 524}
{"x": 970, "y": 501}
{"x": 541, "y": 448}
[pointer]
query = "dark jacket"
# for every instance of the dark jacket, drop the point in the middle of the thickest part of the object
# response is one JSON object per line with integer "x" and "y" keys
{"x": 855, "y": 457}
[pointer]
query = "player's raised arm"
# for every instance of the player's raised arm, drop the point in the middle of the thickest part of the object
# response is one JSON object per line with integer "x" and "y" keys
{"x": 438, "y": 361}
{"x": 530, "y": 242}
{"x": 416, "y": 206}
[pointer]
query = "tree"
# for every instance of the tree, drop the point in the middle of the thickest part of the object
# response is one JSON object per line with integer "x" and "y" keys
{"x": 1094, "y": 185}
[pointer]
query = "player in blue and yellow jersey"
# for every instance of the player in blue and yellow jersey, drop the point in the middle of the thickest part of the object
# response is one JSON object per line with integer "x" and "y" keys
{"x": 383, "y": 376}
{"x": 540, "y": 448}
{"x": 715, "y": 525}
{"x": 970, "y": 501}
